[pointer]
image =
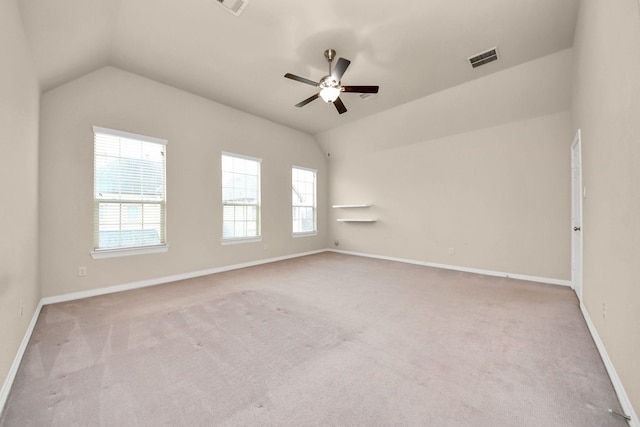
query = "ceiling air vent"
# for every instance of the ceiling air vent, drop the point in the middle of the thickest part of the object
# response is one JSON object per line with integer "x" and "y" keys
{"x": 234, "y": 6}
{"x": 484, "y": 57}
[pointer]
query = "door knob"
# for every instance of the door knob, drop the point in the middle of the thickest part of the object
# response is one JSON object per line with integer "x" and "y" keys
{"x": 576, "y": 228}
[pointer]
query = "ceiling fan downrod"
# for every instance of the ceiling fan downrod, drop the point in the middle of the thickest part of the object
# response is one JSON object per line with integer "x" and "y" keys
{"x": 330, "y": 54}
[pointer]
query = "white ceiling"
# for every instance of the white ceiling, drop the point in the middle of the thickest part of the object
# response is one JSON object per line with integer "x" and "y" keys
{"x": 410, "y": 49}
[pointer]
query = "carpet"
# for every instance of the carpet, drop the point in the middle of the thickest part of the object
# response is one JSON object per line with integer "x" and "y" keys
{"x": 326, "y": 339}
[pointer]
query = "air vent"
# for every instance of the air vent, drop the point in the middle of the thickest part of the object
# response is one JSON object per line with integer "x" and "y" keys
{"x": 233, "y": 6}
{"x": 484, "y": 57}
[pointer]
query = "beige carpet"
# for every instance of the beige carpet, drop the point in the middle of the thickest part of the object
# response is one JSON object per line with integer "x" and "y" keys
{"x": 323, "y": 340}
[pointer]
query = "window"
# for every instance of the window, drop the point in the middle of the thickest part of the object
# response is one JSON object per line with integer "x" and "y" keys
{"x": 240, "y": 198}
{"x": 129, "y": 192}
{"x": 303, "y": 192}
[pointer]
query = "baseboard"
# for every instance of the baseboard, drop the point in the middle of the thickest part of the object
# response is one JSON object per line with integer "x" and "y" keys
{"x": 8, "y": 382}
{"x": 547, "y": 280}
{"x": 167, "y": 279}
{"x": 623, "y": 398}
{"x": 617, "y": 383}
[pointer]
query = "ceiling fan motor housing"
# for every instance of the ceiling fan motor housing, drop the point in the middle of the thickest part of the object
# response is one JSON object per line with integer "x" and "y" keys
{"x": 328, "y": 81}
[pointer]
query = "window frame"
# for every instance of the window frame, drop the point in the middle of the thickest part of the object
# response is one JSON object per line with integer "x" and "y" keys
{"x": 111, "y": 252}
{"x": 242, "y": 239}
{"x": 313, "y": 206}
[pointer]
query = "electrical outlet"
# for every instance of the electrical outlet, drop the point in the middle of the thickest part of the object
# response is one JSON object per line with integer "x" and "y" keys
{"x": 604, "y": 310}
{"x": 452, "y": 251}
{"x": 21, "y": 308}
{"x": 82, "y": 271}
{"x": 336, "y": 242}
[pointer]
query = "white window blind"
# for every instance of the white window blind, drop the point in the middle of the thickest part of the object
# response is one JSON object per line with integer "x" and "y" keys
{"x": 240, "y": 197}
{"x": 303, "y": 192}
{"x": 129, "y": 190}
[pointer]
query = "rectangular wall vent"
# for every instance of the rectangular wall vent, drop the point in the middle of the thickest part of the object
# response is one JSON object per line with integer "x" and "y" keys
{"x": 484, "y": 57}
{"x": 233, "y": 6}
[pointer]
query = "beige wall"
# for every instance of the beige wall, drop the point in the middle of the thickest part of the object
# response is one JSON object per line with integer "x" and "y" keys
{"x": 19, "y": 97}
{"x": 198, "y": 131}
{"x": 606, "y": 106}
{"x": 483, "y": 168}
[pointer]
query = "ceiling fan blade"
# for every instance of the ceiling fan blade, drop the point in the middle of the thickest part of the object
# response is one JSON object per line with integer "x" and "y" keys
{"x": 360, "y": 89}
{"x": 339, "y": 105}
{"x": 308, "y": 100}
{"x": 340, "y": 68}
{"x": 300, "y": 79}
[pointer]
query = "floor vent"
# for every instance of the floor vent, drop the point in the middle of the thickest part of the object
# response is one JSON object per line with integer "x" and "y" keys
{"x": 233, "y": 6}
{"x": 484, "y": 57}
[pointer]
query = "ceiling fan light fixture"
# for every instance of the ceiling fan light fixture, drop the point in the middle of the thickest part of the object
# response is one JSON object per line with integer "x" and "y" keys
{"x": 329, "y": 94}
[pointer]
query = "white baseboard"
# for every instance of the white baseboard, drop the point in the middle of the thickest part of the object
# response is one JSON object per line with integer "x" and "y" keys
{"x": 13, "y": 370}
{"x": 167, "y": 279}
{"x": 8, "y": 383}
{"x": 623, "y": 398}
{"x": 617, "y": 384}
{"x": 546, "y": 280}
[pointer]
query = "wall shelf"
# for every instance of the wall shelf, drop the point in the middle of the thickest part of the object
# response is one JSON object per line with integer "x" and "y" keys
{"x": 357, "y": 220}
{"x": 363, "y": 205}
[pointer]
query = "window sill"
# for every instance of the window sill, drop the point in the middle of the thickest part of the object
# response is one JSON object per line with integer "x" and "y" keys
{"x": 120, "y": 252}
{"x": 239, "y": 240}
{"x": 305, "y": 234}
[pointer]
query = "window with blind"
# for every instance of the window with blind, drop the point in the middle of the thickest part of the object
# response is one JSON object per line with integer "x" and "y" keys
{"x": 303, "y": 192}
{"x": 240, "y": 198}
{"x": 129, "y": 191}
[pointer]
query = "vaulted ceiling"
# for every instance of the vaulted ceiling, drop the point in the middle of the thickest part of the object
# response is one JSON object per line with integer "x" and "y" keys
{"x": 410, "y": 49}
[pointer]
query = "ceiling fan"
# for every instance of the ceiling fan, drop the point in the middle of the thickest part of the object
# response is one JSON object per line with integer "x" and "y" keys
{"x": 330, "y": 86}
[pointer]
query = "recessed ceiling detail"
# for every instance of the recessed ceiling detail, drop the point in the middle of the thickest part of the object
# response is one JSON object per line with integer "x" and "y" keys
{"x": 239, "y": 62}
{"x": 484, "y": 57}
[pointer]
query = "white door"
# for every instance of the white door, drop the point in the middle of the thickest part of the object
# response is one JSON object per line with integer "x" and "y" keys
{"x": 576, "y": 215}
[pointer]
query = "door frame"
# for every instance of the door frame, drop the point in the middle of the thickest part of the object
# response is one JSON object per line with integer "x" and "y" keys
{"x": 577, "y": 194}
